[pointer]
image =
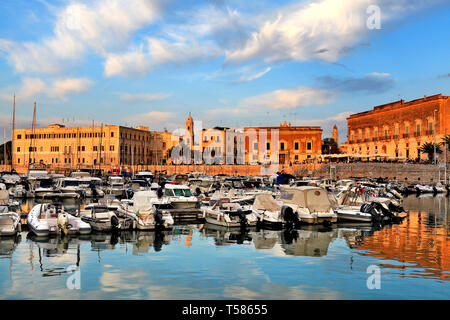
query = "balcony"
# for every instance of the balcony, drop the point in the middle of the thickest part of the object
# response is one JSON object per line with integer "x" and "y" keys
{"x": 417, "y": 134}
{"x": 375, "y": 139}
{"x": 406, "y": 135}
{"x": 366, "y": 140}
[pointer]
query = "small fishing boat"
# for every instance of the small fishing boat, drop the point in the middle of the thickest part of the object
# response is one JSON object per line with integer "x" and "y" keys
{"x": 228, "y": 214}
{"x": 176, "y": 196}
{"x": 47, "y": 219}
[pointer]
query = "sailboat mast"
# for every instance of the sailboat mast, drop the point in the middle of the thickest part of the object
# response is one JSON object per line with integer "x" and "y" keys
{"x": 12, "y": 133}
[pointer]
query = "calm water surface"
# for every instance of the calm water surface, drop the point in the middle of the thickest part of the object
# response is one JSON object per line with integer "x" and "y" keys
{"x": 205, "y": 262}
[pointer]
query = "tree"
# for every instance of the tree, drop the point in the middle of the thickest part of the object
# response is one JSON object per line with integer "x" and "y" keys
{"x": 446, "y": 141}
{"x": 428, "y": 148}
{"x": 329, "y": 146}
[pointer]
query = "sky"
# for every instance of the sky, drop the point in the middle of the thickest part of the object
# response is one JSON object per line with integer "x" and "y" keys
{"x": 227, "y": 62}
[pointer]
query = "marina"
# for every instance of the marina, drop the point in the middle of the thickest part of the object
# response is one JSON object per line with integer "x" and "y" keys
{"x": 196, "y": 257}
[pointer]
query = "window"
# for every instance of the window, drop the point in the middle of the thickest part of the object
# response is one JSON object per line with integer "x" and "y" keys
{"x": 418, "y": 129}
{"x": 309, "y": 146}
{"x": 268, "y": 145}
{"x": 18, "y": 160}
{"x": 282, "y": 146}
{"x": 18, "y": 149}
{"x": 218, "y": 139}
{"x": 111, "y": 148}
{"x": 385, "y": 133}
{"x": 19, "y": 136}
{"x": 95, "y": 148}
{"x": 430, "y": 127}
{"x": 82, "y": 148}
{"x": 296, "y": 145}
{"x": 255, "y": 146}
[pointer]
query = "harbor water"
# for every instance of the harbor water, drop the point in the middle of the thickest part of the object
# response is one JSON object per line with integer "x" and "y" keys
{"x": 200, "y": 261}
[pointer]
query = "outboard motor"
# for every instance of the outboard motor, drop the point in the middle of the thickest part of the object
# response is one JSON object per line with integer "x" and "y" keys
{"x": 115, "y": 222}
{"x": 63, "y": 222}
{"x": 158, "y": 217}
{"x": 288, "y": 215}
{"x": 242, "y": 216}
{"x": 159, "y": 193}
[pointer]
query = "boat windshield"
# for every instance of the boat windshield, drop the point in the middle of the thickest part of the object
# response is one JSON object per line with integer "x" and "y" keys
{"x": 71, "y": 183}
{"x": 238, "y": 184}
{"x": 183, "y": 192}
{"x": 45, "y": 183}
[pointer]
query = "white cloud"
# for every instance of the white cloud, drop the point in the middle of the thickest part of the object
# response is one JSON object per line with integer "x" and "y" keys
{"x": 291, "y": 98}
{"x": 100, "y": 26}
{"x": 254, "y": 76}
{"x": 62, "y": 87}
{"x": 143, "y": 97}
{"x": 152, "y": 118}
{"x": 32, "y": 89}
{"x": 325, "y": 30}
{"x": 133, "y": 63}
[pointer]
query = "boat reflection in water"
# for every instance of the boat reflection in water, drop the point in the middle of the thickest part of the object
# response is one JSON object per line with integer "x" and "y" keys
{"x": 9, "y": 244}
{"x": 224, "y": 236}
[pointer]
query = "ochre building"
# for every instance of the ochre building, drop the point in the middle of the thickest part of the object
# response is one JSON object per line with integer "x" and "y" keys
{"x": 295, "y": 144}
{"x": 107, "y": 147}
{"x": 398, "y": 129}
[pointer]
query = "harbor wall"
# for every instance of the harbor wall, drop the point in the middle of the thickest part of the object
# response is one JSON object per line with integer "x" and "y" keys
{"x": 402, "y": 172}
{"x": 413, "y": 173}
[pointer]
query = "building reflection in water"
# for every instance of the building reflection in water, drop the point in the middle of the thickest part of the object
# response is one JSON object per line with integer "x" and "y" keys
{"x": 421, "y": 241}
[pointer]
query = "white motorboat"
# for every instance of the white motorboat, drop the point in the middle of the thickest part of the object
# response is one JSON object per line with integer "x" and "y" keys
{"x": 268, "y": 211}
{"x": 144, "y": 175}
{"x": 9, "y": 222}
{"x": 420, "y": 188}
{"x": 48, "y": 219}
{"x": 116, "y": 186}
{"x": 176, "y": 196}
{"x": 91, "y": 187}
{"x": 228, "y": 214}
{"x": 69, "y": 187}
{"x": 42, "y": 186}
{"x": 143, "y": 212}
{"x": 102, "y": 218}
{"x": 311, "y": 204}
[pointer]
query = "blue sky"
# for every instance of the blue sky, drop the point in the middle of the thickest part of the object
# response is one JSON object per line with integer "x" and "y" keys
{"x": 229, "y": 63}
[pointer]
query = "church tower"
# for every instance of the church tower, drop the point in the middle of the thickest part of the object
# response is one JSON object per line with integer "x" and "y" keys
{"x": 189, "y": 136}
{"x": 335, "y": 135}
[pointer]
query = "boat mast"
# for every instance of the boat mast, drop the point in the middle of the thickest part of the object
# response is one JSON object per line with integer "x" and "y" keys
{"x": 12, "y": 133}
{"x": 31, "y": 150}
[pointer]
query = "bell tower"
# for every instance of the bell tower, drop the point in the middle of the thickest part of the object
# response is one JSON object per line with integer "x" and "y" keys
{"x": 335, "y": 134}
{"x": 189, "y": 136}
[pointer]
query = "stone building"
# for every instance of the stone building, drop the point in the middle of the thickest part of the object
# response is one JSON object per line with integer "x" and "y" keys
{"x": 107, "y": 147}
{"x": 398, "y": 129}
{"x": 335, "y": 135}
{"x": 294, "y": 144}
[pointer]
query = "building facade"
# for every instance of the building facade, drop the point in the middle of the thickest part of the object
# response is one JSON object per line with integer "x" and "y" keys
{"x": 294, "y": 144}
{"x": 400, "y": 128}
{"x": 106, "y": 147}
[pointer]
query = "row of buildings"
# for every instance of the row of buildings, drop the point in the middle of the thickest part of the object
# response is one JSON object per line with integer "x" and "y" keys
{"x": 395, "y": 130}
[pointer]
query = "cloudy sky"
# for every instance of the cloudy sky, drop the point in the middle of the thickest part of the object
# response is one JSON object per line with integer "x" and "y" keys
{"x": 228, "y": 62}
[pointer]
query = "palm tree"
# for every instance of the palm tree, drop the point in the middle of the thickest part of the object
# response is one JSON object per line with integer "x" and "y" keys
{"x": 428, "y": 148}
